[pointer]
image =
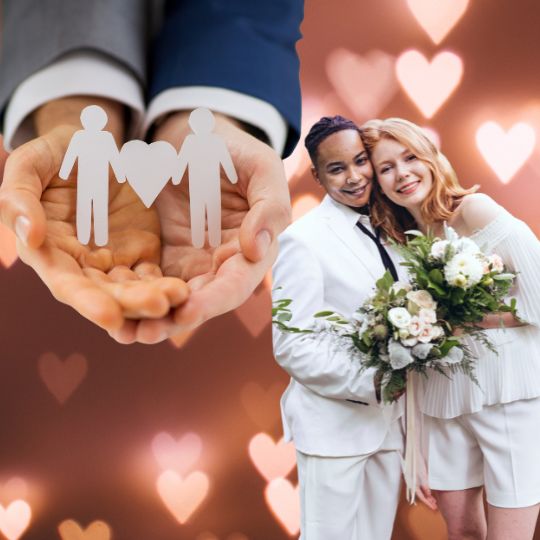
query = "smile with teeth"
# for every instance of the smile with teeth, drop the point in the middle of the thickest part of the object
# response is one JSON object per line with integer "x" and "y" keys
{"x": 408, "y": 188}
{"x": 357, "y": 190}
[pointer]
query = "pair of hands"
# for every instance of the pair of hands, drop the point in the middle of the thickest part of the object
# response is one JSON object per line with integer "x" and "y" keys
{"x": 148, "y": 283}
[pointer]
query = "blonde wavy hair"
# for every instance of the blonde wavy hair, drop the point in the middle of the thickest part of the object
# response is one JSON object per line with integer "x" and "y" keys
{"x": 446, "y": 192}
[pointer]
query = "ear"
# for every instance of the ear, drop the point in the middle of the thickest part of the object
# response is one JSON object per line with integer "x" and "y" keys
{"x": 315, "y": 174}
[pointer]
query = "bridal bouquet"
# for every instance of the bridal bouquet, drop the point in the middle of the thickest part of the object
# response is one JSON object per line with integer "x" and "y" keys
{"x": 466, "y": 283}
{"x": 396, "y": 330}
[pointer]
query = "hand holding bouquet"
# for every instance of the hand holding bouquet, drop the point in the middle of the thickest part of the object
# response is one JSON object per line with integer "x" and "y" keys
{"x": 397, "y": 330}
{"x": 466, "y": 283}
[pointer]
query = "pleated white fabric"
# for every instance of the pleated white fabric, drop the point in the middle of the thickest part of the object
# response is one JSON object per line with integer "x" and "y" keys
{"x": 515, "y": 372}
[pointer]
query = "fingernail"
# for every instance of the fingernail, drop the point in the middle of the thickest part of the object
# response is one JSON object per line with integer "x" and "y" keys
{"x": 22, "y": 229}
{"x": 263, "y": 242}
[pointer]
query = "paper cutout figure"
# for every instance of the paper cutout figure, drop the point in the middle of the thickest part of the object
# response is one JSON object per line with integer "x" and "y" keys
{"x": 148, "y": 167}
{"x": 203, "y": 153}
{"x": 94, "y": 150}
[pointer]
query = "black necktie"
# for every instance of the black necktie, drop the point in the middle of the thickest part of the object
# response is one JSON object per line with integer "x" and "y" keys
{"x": 386, "y": 260}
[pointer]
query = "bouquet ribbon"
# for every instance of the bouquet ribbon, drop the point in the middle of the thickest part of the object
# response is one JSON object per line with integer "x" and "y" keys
{"x": 410, "y": 465}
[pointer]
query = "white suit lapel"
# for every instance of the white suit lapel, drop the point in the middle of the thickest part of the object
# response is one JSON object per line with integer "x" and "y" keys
{"x": 341, "y": 223}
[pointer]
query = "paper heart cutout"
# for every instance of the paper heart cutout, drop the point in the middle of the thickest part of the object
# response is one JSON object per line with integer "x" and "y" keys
{"x": 62, "y": 378}
{"x": 97, "y": 530}
{"x": 261, "y": 405}
{"x": 272, "y": 460}
{"x": 8, "y": 247}
{"x": 284, "y": 501}
{"x": 182, "y": 497}
{"x": 303, "y": 204}
{"x": 256, "y": 312}
{"x": 429, "y": 84}
{"x": 505, "y": 152}
{"x": 178, "y": 455}
{"x": 438, "y": 18}
{"x": 366, "y": 84}
{"x": 148, "y": 167}
{"x": 14, "y": 519}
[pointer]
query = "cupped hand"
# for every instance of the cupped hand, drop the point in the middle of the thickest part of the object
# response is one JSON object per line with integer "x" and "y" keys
{"x": 108, "y": 285}
{"x": 254, "y": 211}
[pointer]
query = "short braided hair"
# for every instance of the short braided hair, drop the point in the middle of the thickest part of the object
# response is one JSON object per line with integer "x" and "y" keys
{"x": 322, "y": 129}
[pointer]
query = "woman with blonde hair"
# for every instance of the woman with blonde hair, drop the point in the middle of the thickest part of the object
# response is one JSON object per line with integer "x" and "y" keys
{"x": 485, "y": 436}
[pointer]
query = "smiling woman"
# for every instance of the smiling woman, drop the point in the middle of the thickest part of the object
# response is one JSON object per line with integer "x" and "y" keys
{"x": 415, "y": 181}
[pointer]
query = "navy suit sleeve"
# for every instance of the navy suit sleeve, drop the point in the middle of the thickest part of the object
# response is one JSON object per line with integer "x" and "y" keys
{"x": 242, "y": 45}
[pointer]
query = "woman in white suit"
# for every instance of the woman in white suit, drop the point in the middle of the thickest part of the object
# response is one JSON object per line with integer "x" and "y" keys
{"x": 348, "y": 445}
{"x": 486, "y": 436}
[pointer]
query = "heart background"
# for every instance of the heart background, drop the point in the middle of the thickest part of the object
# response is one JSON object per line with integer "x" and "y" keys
{"x": 92, "y": 457}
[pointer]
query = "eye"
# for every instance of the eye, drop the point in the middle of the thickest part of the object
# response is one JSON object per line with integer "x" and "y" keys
{"x": 410, "y": 157}
{"x": 385, "y": 169}
{"x": 361, "y": 161}
{"x": 335, "y": 170}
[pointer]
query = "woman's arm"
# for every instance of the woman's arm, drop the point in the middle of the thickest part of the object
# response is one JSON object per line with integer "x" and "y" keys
{"x": 500, "y": 320}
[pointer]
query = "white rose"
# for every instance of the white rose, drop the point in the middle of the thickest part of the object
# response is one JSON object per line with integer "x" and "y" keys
{"x": 427, "y": 316}
{"x": 416, "y": 326}
{"x": 438, "y": 332}
{"x": 496, "y": 263}
{"x": 422, "y": 299}
{"x": 409, "y": 342}
{"x": 399, "y": 355}
{"x": 427, "y": 334}
{"x": 463, "y": 270}
{"x": 399, "y": 317}
{"x": 438, "y": 249}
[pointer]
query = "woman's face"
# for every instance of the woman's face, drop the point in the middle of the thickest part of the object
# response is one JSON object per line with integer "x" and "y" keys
{"x": 343, "y": 168}
{"x": 404, "y": 178}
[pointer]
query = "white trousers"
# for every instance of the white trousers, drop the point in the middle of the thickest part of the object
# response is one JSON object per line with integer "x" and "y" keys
{"x": 351, "y": 498}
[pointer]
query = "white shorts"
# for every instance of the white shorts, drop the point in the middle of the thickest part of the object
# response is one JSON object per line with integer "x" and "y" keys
{"x": 351, "y": 498}
{"x": 497, "y": 447}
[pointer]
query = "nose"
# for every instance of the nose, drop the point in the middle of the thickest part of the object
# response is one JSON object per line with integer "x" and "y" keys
{"x": 402, "y": 171}
{"x": 353, "y": 176}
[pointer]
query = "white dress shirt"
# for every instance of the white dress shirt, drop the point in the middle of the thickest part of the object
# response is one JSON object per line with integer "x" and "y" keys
{"x": 94, "y": 74}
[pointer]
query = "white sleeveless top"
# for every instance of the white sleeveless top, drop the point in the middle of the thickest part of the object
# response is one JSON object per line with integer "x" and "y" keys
{"x": 515, "y": 372}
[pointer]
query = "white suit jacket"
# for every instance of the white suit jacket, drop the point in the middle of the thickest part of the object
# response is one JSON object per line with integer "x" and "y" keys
{"x": 326, "y": 262}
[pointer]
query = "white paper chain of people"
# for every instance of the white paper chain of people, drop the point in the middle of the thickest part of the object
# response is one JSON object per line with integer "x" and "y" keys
{"x": 147, "y": 168}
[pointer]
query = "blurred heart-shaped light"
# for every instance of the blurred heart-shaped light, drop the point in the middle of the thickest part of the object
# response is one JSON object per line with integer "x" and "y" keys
{"x": 505, "y": 152}
{"x": 429, "y": 84}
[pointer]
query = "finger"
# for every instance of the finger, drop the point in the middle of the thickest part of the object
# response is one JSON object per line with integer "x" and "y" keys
{"x": 156, "y": 331}
{"x": 270, "y": 209}
{"x": 138, "y": 299}
{"x": 424, "y": 494}
{"x": 176, "y": 290}
{"x": 3, "y": 157}
{"x": 126, "y": 334}
{"x": 148, "y": 271}
{"x": 234, "y": 282}
{"x": 68, "y": 284}
{"x": 28, "y": 170}
{"x": 120, "y": 274}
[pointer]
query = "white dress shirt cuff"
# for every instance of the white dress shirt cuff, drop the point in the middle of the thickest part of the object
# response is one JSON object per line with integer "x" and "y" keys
{"x": 77, "y": 73}
{"x": 243, "y": 107}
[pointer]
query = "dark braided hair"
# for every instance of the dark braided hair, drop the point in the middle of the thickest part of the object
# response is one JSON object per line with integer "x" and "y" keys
{"x": 322, "y": 129}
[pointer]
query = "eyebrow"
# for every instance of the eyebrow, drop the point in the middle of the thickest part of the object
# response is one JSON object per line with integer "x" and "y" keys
{"x": 333, "y": 163}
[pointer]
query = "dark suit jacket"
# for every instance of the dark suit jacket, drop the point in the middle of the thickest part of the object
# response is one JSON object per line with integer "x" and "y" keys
{"x": 242, "y": 45}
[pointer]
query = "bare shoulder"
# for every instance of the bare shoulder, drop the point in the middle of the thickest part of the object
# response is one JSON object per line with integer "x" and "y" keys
{"x": 478, "y": 210}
